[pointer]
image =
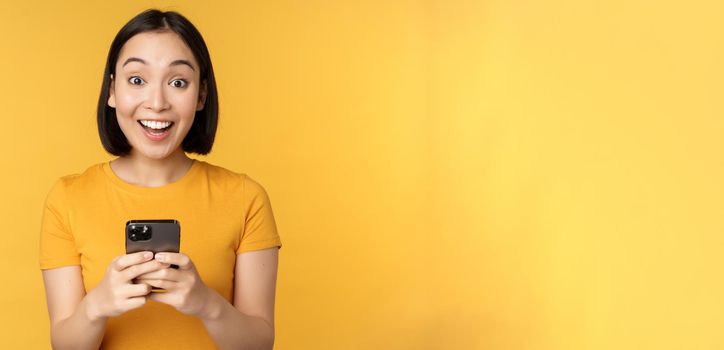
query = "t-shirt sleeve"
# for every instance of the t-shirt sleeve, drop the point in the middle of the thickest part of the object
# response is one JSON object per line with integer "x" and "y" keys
{"x": 57, "y": 244}
{"x": 260, "y": 230}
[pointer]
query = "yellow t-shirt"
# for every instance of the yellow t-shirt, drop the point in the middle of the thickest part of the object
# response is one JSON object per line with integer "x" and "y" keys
{"x": 221, "y": 213}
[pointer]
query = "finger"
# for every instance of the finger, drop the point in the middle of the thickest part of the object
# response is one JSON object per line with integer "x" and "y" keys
{"x": 178, "y": 259}
{"x": 163, "y": 284}
{"x": 162, "y": 274}
{"x": 154, "y": 272}
{"x": 140, "y": 269}
{"x": 136, "y": 290}
{"x": 149, "y": 276}
{"x": 127, "y": 260}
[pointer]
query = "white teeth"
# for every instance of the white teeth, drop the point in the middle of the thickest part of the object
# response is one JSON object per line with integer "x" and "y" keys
{"x": 153, "y": 124}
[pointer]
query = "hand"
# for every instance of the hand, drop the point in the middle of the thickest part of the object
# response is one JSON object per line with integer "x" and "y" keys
{"x": 185, "y": 290}
{"x": 116, "y": 293}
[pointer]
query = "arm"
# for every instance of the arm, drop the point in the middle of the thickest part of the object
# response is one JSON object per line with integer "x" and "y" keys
{"x": 78, "y": 320}
{"x": 71, "y": 326}
{"x": 248, "y": 323}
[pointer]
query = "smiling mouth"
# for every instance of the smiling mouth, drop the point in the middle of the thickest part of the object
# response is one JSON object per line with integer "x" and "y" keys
{"x": 155, "y": 127}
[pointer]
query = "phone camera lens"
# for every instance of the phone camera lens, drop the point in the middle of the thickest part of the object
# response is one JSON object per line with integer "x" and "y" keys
{"x": 139, "y": 233}
{"x": 145, "y": 233}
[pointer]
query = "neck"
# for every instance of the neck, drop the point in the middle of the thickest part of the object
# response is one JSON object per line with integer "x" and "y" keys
{"x": 142, "y": 171}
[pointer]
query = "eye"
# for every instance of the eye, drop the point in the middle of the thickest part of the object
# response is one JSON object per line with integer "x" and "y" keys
{"x": 179, "y": 83}
{"x": 135, "y": 80}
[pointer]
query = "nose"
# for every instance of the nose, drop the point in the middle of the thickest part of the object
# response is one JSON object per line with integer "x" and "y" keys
{"x": 156, "y": 100}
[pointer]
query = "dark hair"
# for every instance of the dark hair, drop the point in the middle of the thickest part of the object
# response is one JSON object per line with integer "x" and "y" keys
{"x": 200, "y": 137}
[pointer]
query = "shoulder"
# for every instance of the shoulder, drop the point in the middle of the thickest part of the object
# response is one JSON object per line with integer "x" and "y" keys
{"x": 87, "y": 181}
{"x": 231, "y": 179}
{"x": 78, "y": 181}
{"x": 65, "y": 186}
{"x": 218, "y": 172}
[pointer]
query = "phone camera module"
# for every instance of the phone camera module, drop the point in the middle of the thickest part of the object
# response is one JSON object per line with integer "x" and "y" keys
{"x": 139, "y": 232}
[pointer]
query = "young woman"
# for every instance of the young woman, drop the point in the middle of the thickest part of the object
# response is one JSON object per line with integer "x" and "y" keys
{"x": 157, "y": 103}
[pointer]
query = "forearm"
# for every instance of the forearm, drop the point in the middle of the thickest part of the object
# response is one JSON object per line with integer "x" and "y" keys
{"x": 79, "y": 331}
{"x": 232, "y": 329}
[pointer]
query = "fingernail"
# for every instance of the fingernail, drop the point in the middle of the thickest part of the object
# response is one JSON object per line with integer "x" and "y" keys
{"x": 161, "y": 257}
{"x": 148, "y": 255}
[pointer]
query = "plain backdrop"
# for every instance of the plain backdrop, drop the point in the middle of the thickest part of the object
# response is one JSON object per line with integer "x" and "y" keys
{"x": 444, "y": 174}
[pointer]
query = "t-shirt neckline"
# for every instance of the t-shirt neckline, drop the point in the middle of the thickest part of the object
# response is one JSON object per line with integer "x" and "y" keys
{"x": 160, "y": 190}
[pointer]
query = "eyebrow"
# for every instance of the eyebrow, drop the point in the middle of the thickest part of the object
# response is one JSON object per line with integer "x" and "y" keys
{"x": 174, "y": 63}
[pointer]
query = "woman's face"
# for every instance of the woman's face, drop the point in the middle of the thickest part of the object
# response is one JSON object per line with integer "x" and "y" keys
{"x": 156, "y": 92}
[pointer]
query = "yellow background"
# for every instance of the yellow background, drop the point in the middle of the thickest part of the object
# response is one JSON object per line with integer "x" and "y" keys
{"x": 444, "y": 174}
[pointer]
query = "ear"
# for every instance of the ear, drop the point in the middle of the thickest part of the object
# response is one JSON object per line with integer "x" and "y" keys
{"x": 112, "y": 93}
{"x": 203, "y": 92}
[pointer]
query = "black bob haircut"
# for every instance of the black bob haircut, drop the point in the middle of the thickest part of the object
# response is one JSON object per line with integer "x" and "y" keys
{"x": 200, "y": 137}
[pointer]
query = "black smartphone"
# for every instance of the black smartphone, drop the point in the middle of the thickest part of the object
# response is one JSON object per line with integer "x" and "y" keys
{"x": 153, "y": 235}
